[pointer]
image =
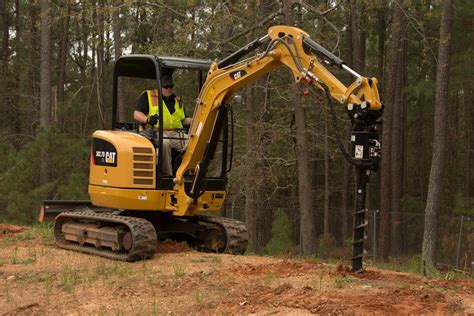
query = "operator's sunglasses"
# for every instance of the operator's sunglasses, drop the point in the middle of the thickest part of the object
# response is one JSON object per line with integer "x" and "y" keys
{"x": 168, "y": 87}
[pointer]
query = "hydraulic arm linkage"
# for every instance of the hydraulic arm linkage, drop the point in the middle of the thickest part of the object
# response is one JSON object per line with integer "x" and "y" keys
{"x": 293, "y": 48}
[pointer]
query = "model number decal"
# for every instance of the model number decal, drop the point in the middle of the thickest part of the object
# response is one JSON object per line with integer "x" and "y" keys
{"x": 104, "y": 153}
{"x": 109, "y": 156}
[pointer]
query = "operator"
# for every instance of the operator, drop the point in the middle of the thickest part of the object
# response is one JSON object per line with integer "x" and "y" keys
{"x": 174, "y": 118}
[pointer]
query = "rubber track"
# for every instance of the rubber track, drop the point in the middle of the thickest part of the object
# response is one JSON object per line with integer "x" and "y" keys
{"x": 143, "y": 233}
{"x": 236, "y": 232}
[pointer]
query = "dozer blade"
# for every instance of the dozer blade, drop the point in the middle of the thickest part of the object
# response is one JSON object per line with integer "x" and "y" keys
{"x": 52, "y": 208}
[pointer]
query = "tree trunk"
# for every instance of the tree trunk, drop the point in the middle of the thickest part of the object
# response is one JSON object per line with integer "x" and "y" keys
{"x": 5, "y": 55}
{"x": 349, "y": 35}
{"x": 121, "y": 108}
{"x": 385, "y": 186}
{"x": 5, "y": 35}
{"x": 45, "y": 86}
{"x": 256, "y": 218}
{"x": 470, "y": 144}
{"x": 381, "y": 27}
{"x": 346, "y": 188}
{"x": 358, "y": 34}
{"x": 63, "y": 54}
{"x": 327, "y": 192}
{"x": 397, "y": 156}
{"x": 100, "y": 76}
{"x": 435, "y": 188}
{"x": 251, "y": 206}
{"x": 305, "y": 195}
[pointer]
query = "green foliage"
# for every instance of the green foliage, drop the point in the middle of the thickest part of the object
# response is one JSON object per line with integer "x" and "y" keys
{"x": 281, "y": 243}
{"x": 341, "y": 281}
{"x": 413, "y": 265}
{"x": 21, "y": 192}
{"x": 412, "y": 204}
{"x": 463, "y": 205}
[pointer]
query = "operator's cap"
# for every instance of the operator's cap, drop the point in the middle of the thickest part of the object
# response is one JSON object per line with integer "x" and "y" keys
{"x": 167, "y": 81}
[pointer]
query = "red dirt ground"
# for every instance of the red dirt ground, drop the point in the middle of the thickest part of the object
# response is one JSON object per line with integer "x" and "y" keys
{"x": 38, "y": 278}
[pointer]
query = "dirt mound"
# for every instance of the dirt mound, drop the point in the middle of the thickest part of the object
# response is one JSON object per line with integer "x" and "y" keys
{"x": 171, "y": 246}
{"x": 10, "y": 230}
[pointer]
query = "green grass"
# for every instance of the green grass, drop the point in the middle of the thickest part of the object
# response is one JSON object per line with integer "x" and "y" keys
{"x": 198, "y": 297}
{"x": 43, "y": 231}
{"x": 69, "y": 278}
{"x": 178, "y": 271}
{"x": 413, "y": 265}
{"x": 15, "y": 258}
{"x": 340, "y": 282}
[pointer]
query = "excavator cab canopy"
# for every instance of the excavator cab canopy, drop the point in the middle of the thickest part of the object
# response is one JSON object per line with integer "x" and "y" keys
{"x": 127, "y": 85}
{"x": 133, "y": 74}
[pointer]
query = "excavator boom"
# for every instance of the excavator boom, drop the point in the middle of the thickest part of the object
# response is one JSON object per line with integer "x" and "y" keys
{"x": 292, "y": 48}
{"x": 286, "y": 46}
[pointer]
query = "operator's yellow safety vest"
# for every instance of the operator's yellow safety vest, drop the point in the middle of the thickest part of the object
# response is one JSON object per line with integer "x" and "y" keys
{"x": 170, "y": 121}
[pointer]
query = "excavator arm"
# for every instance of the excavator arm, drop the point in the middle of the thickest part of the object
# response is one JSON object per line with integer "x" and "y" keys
{"x": 286, "y": 46}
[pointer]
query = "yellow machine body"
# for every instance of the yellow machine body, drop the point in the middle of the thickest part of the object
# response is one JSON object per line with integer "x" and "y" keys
{"x": 122, "y": 176}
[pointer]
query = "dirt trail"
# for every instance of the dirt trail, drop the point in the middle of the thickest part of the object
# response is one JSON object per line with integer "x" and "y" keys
{"x": 37, "y": 278}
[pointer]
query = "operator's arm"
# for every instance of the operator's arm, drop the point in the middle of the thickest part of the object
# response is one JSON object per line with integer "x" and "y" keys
{"x": 187, "y": 121}
{"x": 140, "y": 117}
{"x": 141, "y": 111}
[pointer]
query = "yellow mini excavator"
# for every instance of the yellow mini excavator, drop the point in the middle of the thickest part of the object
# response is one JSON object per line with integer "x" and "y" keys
{"x": 133, "y": 204}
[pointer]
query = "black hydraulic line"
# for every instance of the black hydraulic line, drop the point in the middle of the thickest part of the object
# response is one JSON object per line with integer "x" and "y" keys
{"x": 235, "y": 56}
{"x": 225, "y": 141}
{"x": 308, "y": 43}
{"x": 231, "y": 138}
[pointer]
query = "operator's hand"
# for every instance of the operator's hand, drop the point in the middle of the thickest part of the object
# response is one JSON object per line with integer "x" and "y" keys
{"x": 153, "y": 119}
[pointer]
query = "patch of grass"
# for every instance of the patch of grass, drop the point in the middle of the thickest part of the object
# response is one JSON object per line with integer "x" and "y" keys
{"x": 22, "y": 236}
{"x": 178, "y": 271}
{"x": 217, "y": 260}
{"x": 452, "y": 275}
{"x": 341, "y": 281}
{"x": 14, "y": 256}
{"x": 43, "y": 231}
{"x": 69, "y": 278}
{"x": 7, "y": 293}
{"x": 15, "y": 259}
{"x": 271, "y": 276}
{"x": 413, "y": 265}
{"x": 198, "y": 297}
{"x": 154, "y": 309}
{"x": 102, "y": 310}
{"x": 108, "y": 270}
{"x": 120, "y": 311}
{"x": 48, "y": 287}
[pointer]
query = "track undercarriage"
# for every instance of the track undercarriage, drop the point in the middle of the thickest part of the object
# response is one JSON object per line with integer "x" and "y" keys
{"x": 133, "y": 235}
